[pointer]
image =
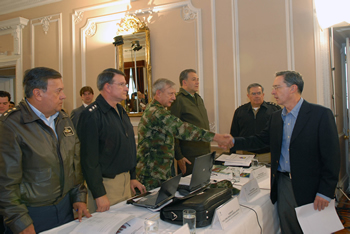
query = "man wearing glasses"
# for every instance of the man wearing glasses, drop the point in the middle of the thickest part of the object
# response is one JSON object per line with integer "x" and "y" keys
{"x": 305, "y": 153}
{"x": 108, "y": 149}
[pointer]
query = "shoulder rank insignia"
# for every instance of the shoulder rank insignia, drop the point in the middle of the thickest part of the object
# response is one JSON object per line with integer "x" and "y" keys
{"x": 92, "y": 108}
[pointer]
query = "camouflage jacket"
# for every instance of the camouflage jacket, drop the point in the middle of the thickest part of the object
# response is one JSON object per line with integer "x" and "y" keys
{"x": 156, "y": 139}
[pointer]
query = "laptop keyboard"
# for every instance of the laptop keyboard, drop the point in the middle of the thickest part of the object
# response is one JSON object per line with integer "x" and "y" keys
{"x": 149, "y": 199}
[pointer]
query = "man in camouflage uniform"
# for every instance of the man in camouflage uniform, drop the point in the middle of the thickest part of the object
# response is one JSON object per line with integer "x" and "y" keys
{"x": 156, "y": 136}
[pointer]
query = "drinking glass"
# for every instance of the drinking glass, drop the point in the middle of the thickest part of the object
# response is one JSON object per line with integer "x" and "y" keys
{"x": 151, "y": 226}
{"x": 189, "y": 217}
{"x": 236, "y": 174}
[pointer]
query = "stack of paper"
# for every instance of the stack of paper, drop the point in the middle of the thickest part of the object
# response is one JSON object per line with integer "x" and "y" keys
{"x": 242, "y": 160}
{"x": 106, "y": 222}
{"x": 220, "y": 172}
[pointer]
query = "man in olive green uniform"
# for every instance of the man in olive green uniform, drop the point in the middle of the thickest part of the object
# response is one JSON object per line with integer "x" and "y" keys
{"x": 156, "y": 136}
{"x": 189, "y": 107}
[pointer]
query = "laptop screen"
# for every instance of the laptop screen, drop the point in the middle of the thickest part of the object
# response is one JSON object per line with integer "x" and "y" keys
{"x": 202, "y": 171}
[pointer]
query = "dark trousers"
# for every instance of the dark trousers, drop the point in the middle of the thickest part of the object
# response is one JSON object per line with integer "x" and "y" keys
{"x": 2, "y": 225}
{"x": 286, "y": 205}
{"x": 47, "y": 217}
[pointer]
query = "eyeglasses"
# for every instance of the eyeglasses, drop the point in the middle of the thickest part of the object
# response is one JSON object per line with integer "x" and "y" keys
{"x": 257, "y": 93}
{"x": 123, "y": 84}
{"x": 275, "y": 87}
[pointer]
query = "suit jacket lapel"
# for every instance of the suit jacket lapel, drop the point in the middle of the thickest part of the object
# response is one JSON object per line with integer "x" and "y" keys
{"x": 280, "y": 131}
{"x": 302, "y": 119}
{"x": 276, "y": 130}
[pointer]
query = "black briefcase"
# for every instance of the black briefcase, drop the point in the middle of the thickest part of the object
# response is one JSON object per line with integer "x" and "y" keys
{"x": 204, "y": 203}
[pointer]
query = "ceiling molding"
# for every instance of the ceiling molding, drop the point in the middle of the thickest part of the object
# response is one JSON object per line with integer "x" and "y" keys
{"x": 8, "y": 6}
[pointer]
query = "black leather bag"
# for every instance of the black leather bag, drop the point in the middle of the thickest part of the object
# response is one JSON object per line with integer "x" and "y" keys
{"x": 204, "y": 203}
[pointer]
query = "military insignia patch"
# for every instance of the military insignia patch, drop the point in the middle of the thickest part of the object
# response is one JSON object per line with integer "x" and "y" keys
{"x": 68, "y": 131}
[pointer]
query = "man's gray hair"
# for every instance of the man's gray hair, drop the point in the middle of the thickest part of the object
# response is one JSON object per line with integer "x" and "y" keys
{"x": 160, "y": 85}
{"x": 292, "y": 78}
{"x": 253, "y": 86}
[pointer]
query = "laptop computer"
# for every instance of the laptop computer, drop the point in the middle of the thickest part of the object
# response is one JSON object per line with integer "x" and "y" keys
{"x": 200, "y": 174}
{"x": 165, "y": 193}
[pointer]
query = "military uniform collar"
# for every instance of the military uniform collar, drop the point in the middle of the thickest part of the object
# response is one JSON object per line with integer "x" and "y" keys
{"x": 156, "y": 103}
{"x": 104, "y": 106}
{"x": 28, "y": 114}
{"x": 184, "y": 92}
{"x": 251, "y": 108}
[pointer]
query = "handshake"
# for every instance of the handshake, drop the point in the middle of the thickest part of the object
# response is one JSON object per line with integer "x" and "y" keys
{"x": 224, "y": 140}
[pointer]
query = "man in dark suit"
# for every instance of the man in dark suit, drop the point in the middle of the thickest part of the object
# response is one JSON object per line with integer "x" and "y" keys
{"x": 305, "y": 153}
{"x": 87, "y": 96}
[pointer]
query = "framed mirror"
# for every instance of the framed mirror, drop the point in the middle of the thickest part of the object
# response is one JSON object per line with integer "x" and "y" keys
{"x": 133, "y": 58}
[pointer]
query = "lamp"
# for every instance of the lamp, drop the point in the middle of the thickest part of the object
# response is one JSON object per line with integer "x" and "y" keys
{"x": 135, "y": 45}
{"x": 118, "y": 40}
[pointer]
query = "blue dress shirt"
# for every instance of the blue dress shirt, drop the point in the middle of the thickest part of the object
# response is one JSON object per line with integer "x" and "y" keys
{"x": 289, "y": 120}
{"x": 48, "y": 121}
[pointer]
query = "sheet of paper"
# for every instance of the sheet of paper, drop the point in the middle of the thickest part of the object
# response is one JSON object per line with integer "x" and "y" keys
{"x": 321, "y": 222}
{"x": 133, "y": 226}
{"x": 185, "y": 180}
{"x": 105, "y": 222}
{"x": 183, "y": 230}
{"x": 225, "y": 214}
{"x": 259, "y": 174}
{"x": 220, "y": 172}
{"x": 63, "y": 229}
{"x": 249, "y": 190}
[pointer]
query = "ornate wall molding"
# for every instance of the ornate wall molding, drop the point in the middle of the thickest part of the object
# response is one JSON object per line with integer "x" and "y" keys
{"x": 78, "y": 16}
{"x": 91, "y": 30}
{"x": 45, "y": 22}
{"x": 14, "y": 27}
{"x": 117, "y": 17}
{"x": 187, "y": 13}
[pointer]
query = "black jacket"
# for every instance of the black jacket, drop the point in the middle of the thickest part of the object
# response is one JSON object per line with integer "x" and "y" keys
{"x": 108, "y": 144}
{"x": 244, "y": 123}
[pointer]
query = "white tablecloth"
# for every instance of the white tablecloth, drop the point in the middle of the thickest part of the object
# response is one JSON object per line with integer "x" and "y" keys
{"x": 247, "y": 222}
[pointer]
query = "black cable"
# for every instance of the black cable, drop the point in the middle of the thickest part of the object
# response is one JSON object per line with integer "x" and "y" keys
{"x": 257, "y": 218}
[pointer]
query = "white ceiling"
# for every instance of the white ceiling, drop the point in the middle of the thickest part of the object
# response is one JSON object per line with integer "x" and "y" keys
{"x": 8, "y": 6}
{"x": 341, "y": 33}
